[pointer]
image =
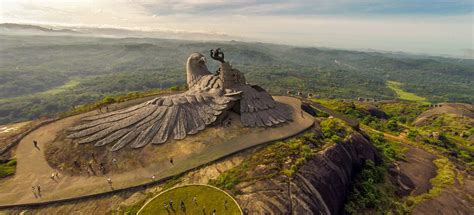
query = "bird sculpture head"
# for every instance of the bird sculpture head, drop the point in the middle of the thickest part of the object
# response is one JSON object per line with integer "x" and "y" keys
{"x": 196, "y": 68}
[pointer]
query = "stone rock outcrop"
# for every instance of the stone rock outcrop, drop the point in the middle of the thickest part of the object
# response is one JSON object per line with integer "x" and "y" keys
{"x": 375, "y": 112}
{"x": 320, "y": 186}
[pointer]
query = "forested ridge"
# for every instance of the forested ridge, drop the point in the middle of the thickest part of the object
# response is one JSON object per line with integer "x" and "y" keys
{"x": 44, "y": 75}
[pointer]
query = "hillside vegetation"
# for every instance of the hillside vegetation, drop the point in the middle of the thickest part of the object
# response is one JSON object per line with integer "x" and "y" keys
{"x": 44, "y": 75}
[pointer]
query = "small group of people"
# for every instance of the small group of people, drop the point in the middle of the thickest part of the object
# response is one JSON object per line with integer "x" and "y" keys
{"x": 169, "y": 205}
{"x": 182, "y": 206}
{"x": 90, "y": 165}
{"x": 54, "y": 176}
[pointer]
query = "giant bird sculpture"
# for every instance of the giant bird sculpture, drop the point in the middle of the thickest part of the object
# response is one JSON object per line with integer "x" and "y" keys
{"x": 211, "y": 96}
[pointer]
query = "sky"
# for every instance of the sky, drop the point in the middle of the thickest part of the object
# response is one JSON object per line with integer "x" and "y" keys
{"x": 436, "y": 27}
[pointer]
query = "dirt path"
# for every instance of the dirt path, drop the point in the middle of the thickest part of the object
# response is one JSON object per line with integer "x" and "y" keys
{"x": 33, "y": 170}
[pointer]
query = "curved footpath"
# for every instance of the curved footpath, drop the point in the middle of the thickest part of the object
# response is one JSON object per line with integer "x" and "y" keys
{"x": 33, "y": 169}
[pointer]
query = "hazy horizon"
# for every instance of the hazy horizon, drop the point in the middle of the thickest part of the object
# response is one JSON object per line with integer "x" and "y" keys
{"x": 433, "y": 27}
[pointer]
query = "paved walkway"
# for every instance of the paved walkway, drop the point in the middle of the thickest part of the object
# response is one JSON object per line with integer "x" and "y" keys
{"x": 33, "y": 169}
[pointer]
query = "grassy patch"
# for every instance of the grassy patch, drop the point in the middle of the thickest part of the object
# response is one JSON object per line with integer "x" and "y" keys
{"x": 335, "y": 129}
{"x": 282, "y": 157}
{"x": 452, "y": 137}
{"x": 391, "y": 150}
{"x": 404, "y": 95}
{"x": 208, "y": 199}
{"x": 7, "y": 168}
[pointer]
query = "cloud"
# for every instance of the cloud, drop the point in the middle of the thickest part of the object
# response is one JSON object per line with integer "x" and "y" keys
{"x": 310, "y": 7}
{"x": 430, "y": 26}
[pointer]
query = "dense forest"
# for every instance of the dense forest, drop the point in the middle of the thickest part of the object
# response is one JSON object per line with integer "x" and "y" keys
{"x": 44, "y": 75}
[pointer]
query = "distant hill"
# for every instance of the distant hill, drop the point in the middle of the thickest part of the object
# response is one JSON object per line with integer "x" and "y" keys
{"x": 455, "y": 109}
{"x": 27, "y": 29}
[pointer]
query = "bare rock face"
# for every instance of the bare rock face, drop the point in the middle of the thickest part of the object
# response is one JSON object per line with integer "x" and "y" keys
{"x": 374, "y": 111}
{"x": 320, "y": 186}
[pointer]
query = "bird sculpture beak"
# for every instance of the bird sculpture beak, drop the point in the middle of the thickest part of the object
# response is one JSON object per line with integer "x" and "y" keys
{"x": 202, "y": 60}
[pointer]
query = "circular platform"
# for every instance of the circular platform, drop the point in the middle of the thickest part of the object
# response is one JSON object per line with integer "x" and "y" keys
{"x": 196, "y": 199}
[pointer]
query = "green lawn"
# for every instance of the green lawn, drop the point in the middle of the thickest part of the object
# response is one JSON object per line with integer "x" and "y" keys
{"x": 404, "y": 95}
{"x": 208, "y": 199}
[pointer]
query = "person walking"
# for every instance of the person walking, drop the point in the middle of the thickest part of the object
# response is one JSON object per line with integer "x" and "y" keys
{"x": 114, "y": 161}
{"x": 195, "y": 200}
{"x": 183, "y": 207}
{"x": 90, "y": 167}
{"x": 38, "y": 188}
{"x": 33, "y": 189}
{"x": 102, "y": 168}
{"x": 153, "y": 177}
{"x": 109, "y": 181}
{"x": 93, "y": 157}
{"x": 171, "y": 160}
{"x": 35, "y": 143}
{"x": 171, "y": 203}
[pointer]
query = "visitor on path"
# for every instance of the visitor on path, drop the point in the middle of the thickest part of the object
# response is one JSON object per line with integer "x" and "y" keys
{"x": 90, "y": 167}
{"x": 183, "y": 208}
{"x": 56, "y": 174}
{"x": 171, "y": 160}
{"x": 33, "y": 189}
{"x": 38, "y": 187}
{"x": 102, "y": 168}
{"x": 195, "y": 200}
{"x": 171, "y": 203}
{"x": 52, "y": 176}
{"x": 35, "y": 143}
{"x": 214, "y": 212}
{"x": 93, "y": 157}
{"x": 203, "y": 210}
{"x": 225, "y": 204}
{"x": 153, "y": 177}
{"x": 114, "y": 161}
{"x": 77, "y": 164}
{"x": 109, "y": 181}
{"x": 165, "y": 205}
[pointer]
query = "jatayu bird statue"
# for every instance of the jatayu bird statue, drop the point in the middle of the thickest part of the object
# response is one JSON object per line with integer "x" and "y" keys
{"x": 211, "y": 96}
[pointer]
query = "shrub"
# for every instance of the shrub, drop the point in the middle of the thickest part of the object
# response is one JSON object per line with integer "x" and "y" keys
{"x": 334, "y": 129}
{"x": 7, "y": 168}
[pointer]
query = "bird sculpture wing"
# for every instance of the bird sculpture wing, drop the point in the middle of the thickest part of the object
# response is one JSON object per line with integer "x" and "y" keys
{"x": 154, "y": 121}
{"x": 258, "y": 109}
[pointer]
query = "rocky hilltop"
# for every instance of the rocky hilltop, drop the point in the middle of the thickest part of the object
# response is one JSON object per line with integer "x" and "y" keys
{"x": 321, "y": 185}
